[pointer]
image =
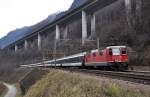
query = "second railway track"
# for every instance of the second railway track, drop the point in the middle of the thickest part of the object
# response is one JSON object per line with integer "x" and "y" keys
{"x": 137, "y": 77}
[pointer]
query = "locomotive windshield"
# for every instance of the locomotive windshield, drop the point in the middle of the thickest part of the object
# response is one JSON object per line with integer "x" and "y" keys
{"x": 116, "y": 51}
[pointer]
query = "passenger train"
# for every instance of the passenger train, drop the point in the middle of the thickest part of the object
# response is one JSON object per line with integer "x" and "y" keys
{"x": 110, "y": 58}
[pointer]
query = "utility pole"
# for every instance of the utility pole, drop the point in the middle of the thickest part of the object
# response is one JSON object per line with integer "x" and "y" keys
{"x": 55, "y": 48}
{"x": 43, "y": 60}
{"x": 98, "y": 43}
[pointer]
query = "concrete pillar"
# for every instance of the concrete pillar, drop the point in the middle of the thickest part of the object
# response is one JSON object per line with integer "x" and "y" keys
{"x": 39, "y": 41}
{"x": 128, "y": 4}
{"x": 84, "y": 26}
{"x": 139, "y": 9}
{"x": 93, "y": 24}
{"x": 57, "y": 32}
{"x": 8, "y": 49}
{"x": 65, "y": 32}
{"x": 25, "y": 44}
{"x": 128, "y": 8}
{"x": 16, "y": 48}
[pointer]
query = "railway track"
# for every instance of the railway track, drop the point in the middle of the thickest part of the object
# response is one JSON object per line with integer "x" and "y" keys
{"x": 135, "y": 76}
{"x": 142, "y": 72}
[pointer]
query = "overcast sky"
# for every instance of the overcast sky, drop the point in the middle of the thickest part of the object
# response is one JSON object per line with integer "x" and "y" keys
{"x": 19, "y": 13}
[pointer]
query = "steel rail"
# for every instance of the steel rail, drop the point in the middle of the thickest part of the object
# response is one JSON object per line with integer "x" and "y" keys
{"x": 136, "y": 77}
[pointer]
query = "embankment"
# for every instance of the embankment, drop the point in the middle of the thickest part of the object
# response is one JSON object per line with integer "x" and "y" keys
{"x": 31, "y": 78}
{"x": 65, "y": 84}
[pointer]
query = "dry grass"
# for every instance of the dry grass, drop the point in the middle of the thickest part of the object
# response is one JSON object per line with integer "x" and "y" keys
{"x": 2, "y": 90}
{"x": 64, "y": 84}
{"x": 18, "y": 94}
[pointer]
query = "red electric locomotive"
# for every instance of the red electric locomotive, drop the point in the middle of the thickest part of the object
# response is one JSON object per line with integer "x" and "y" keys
{"x": 112, "y": 57}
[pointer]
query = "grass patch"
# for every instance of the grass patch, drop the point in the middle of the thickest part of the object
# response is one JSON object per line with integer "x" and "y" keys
{"x": 115, "y": 90}
{"x": 2, "y": 89}
{"x": 64, "y": 84}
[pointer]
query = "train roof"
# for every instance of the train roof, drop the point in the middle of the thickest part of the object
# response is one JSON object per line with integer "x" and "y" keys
{"x": 67, "y": 57}
{"x": 45, "y": 62}
{"x": 116, "y": 47}
{"x": 93, "y": 51}
{"x": 72, "y": 56}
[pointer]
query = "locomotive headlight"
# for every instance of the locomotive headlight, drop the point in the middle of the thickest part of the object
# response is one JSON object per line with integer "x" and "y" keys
{"x": 117, "y": 60}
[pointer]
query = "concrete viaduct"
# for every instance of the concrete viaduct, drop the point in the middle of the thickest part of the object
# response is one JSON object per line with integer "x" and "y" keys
{"x": 89, "y": 8}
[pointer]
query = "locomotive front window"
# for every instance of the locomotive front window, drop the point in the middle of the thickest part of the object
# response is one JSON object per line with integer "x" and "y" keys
{"x": 123, "y": 50}
{"x": 116, "y": 51}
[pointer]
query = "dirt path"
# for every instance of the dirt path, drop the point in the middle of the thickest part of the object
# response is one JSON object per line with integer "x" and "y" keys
{"x": 11, "y": 90}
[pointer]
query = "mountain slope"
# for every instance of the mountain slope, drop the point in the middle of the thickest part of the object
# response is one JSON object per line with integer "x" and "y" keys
{"x": 22, "y": 32}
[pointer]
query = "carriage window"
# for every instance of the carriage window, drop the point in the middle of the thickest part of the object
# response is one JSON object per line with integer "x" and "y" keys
{"x": 94, "y": 54}
{"x": 116, "y": 51}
